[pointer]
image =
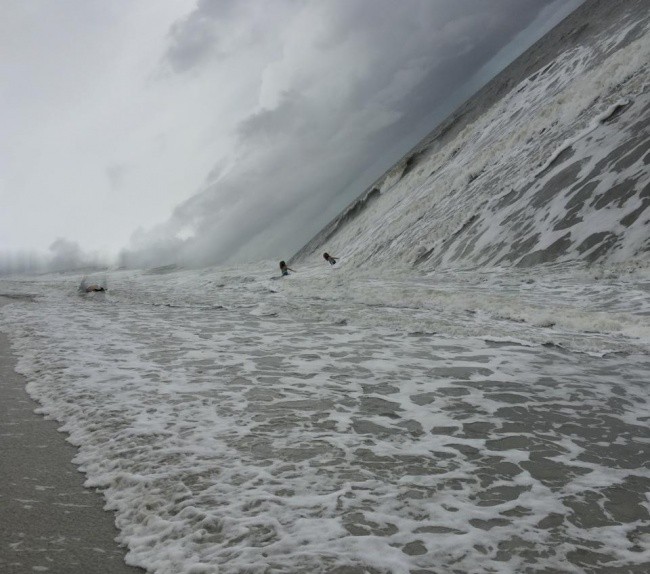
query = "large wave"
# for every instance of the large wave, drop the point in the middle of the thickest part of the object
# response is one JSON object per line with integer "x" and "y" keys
{"x": 547, "y": 163}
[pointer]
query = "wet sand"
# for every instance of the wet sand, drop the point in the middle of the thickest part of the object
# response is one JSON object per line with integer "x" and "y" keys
{"x": 48, "y": 521}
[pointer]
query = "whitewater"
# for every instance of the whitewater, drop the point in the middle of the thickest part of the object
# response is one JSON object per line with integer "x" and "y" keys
{"x": 466, "y": 391}
{"x": 336, "y": 421}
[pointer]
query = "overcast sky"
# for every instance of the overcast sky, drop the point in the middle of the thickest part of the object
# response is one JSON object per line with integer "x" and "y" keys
{"x": 225, "y": 129}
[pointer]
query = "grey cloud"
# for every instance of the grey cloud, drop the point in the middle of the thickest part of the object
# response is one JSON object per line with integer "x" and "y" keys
{"x": 189, "y": 47}
{"x": 451, "y": 52}
{"x": 214, "y": 28}
{"x": 271, "y": 123}
{"x": 219, "y": 28}
{"x": 195, "y": 37}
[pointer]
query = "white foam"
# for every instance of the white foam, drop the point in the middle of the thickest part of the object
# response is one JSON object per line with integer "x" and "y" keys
{"x": 241, "y": 427}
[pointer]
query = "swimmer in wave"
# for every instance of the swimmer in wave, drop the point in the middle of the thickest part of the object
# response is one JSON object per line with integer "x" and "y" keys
{"x": 285, "y": 269}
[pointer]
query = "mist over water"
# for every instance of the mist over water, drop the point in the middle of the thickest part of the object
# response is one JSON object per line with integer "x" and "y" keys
{"x": 63, "y": 255}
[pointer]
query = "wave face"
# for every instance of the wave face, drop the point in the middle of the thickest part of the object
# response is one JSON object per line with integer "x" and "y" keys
{"x": 547, "y": 163}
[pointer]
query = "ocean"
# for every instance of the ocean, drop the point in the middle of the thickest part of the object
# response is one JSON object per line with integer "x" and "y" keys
{"x": 466, "y": 391}
{"x": 340, "y": 421}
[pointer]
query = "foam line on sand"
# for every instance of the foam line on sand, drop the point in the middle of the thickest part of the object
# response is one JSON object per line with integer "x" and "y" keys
{"x": 48, "y": 521}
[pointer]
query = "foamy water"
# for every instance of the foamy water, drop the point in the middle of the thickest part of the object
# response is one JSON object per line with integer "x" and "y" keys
{"x": 339, "y": 421}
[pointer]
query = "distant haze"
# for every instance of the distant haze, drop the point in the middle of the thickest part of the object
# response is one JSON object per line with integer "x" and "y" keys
{"x": 162, "y": 131}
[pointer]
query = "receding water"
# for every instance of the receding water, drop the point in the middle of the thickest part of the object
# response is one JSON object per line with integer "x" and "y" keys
{"x": 337, "y": 423}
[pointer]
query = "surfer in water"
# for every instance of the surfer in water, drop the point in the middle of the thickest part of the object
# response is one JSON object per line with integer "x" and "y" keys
{"x": 330, "y": 259}
{"x": 285, "y": 269}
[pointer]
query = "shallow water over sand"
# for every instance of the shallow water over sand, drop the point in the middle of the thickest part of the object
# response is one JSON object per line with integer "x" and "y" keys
{"x": 338, "y": 422}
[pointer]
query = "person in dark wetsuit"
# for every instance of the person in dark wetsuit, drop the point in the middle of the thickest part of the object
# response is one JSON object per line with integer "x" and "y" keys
{"x": 285, "y": 269}
{"x": 329, "y": 258}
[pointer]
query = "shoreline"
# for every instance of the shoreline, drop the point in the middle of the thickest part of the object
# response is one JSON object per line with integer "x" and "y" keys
{"x": 49, "y": 522}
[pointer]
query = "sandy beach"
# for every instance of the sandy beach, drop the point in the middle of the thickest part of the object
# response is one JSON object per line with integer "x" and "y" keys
{"x": 48, "y": 521}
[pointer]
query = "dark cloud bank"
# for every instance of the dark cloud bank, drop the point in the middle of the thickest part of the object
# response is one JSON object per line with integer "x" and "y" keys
{"x": 303, "y": 159}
